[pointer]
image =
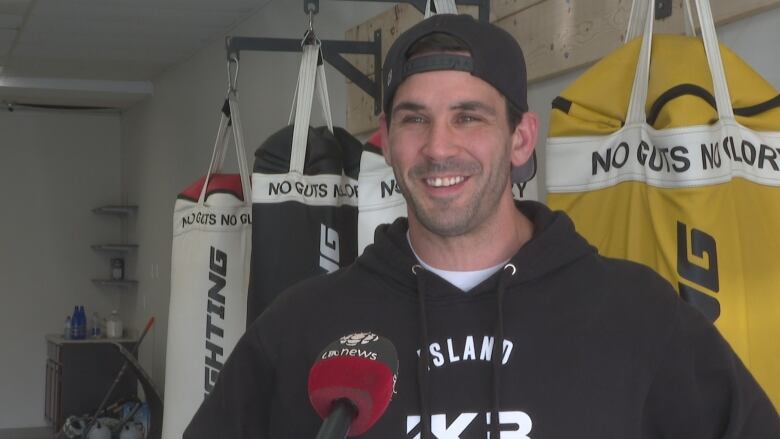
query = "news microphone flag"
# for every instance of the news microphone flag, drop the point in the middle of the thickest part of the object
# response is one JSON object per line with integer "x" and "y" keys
{"x": 361, "y": 368}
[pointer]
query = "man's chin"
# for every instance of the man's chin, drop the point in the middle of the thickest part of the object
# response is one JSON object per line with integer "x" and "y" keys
{"x": 449, "y": 223}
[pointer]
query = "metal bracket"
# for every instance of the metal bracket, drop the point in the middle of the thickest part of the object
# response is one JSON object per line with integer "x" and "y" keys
{"x": 663, "y": 9}
{"x": 311, "y": 6}
{"x": 332, "y": 50}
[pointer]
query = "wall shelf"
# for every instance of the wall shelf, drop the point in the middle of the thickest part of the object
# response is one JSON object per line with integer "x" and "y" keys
{"x": 124, "y": 283}
{"x": 118, "y": 210}
{"x": 123, "y": 212}
{"x": 119, "y": 248}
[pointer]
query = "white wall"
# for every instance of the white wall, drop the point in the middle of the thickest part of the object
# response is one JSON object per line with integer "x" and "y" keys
{"x": 166, "y": 141}
{"x": 54, "y": 168}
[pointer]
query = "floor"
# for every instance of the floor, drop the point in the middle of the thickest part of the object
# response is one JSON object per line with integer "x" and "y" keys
{"x": 26, "y": 433}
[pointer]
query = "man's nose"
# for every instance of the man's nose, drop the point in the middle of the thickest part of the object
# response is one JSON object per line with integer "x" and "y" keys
{"x": 441, "y": 142}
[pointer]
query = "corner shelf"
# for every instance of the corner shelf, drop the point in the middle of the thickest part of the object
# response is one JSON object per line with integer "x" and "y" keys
{"x": 117, "y": 210}
{"x": 115, "y": 283}
{"x": 122, "y": 212}
{"x": 119, "y": 248}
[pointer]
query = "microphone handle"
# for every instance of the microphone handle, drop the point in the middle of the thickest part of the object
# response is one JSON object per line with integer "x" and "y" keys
{"x": 339, "y": 421}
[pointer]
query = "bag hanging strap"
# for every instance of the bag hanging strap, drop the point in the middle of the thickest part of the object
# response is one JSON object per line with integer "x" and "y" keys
{"x": 223, "y": 134}
{"x": 634, "y": 28}
{"x": 636, "y": 104}
{"x": 636, "y": 107}
{"x": 690, "y": 26}
{"x": 441, "y": 6}
{"x": 309, "y": 75}
{"x": 222, "y": 141}
{"x": 238, "y": 137}
{"x": 304, "y": 96}
{"x": 712, "y": 48}
{"x": 229, "y": 117}
{"x": 322, "y": 92}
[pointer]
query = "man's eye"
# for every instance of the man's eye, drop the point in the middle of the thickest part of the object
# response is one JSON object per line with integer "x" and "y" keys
{"x": 467, "y": 118}
{"x": 413, "y": 119}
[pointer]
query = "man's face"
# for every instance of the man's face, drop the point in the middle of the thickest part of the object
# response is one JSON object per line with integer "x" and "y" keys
{"x": 450, "y": 146}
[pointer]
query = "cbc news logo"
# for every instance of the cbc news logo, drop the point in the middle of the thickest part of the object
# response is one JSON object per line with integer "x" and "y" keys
{"x": 361, "y": 338}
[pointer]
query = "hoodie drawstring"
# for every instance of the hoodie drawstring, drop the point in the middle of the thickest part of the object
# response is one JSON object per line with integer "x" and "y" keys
{"x": 425, "y": 357}
{"x": 509, "y": 270}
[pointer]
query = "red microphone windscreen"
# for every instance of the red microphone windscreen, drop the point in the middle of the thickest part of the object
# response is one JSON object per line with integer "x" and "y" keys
{"x": 361, "y": 368}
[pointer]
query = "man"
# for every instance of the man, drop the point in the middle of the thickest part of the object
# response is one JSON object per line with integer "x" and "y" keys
{"x": 506, "y": 322}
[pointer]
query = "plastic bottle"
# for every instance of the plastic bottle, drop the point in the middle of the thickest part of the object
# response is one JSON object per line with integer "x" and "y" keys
{"x": 79, "y": 318}
{"x": 114, "y": 325}
{"x": 83, "y": 323}
{"x": 95, "y": 326}
{"x": 74, "y": 324}
{"x": 67, "y": 329}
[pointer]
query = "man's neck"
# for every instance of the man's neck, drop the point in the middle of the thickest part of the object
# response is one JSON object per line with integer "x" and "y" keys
{"x": 489, "y": 244}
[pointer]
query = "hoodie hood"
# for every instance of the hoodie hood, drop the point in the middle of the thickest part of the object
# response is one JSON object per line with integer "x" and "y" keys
{"x": 553, "y": 245}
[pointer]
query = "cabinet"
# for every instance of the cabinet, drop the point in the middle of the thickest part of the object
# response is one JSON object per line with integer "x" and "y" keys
{"x": 78, "y": 375}
{"x": 123, "y": 212}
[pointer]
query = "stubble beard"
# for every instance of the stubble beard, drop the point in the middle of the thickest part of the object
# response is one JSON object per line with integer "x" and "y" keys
{"x": 440, "y": 218}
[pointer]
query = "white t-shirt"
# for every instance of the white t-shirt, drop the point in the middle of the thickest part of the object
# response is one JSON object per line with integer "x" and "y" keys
{"x": 465, "y": 280}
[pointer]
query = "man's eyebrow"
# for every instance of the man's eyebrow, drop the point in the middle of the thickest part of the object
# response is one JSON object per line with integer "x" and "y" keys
{"x": 408, "y": 106}
{"x": 474, "y": 106}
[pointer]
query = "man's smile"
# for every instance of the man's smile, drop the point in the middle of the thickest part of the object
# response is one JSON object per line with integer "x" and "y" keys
{"x": 444, "y": 181}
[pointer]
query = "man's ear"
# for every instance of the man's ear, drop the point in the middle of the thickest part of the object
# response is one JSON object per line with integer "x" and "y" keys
{"x": 524, "y": 138}
{"x": 383, "y": 135}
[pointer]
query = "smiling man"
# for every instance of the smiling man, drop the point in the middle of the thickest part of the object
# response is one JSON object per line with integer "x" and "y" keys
{"x": 507, "y": 324}
{"x": 453, "y": 140}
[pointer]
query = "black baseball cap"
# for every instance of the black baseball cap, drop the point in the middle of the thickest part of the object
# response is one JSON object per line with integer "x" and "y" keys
{"x": 495, "y": 57}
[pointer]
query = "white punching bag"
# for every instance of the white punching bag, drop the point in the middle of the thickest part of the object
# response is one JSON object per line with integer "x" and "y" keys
{"x": 212, "y": 229}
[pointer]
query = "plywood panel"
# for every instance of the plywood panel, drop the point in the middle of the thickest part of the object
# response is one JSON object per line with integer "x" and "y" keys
{"x": 360, "y": 111}
{"x": 503, "y": 8}
{"x": 559, "y": 35}
{"x": 556, "y": 35}
{"x": 391, "y": 23}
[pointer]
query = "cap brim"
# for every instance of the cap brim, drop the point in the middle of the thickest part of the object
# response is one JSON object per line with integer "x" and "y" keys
{"x": 524, "y": 172}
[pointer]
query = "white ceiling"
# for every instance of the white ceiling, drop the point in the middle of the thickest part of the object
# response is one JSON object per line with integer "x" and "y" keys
{"x": 103, "y": 52}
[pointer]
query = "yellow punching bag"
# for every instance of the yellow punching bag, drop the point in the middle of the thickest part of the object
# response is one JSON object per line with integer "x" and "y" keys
{"x": 660, "y": 161}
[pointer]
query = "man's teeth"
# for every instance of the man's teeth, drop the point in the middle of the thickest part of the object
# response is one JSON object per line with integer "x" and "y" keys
{"x": 444, "y": 182}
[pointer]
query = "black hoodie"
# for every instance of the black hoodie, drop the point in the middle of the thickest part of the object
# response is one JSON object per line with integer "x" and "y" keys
{"x": 592, "y": 348}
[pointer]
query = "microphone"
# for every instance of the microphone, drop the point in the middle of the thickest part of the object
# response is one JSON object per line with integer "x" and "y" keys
{"x": 352, "y": 382}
